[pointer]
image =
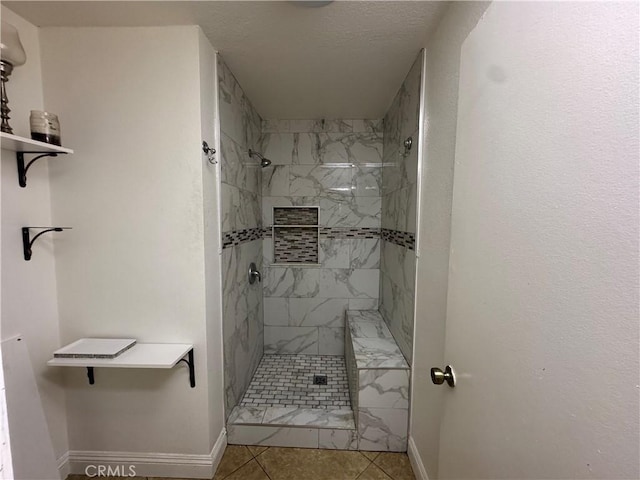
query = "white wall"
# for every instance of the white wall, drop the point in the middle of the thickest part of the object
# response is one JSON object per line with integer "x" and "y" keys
{"x": 440, "y": 103}
{"x": 134, "y": 264}
{"x": 29, "y": 303}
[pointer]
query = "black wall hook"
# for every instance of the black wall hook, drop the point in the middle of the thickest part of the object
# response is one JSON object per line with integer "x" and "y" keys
{"x": 28, "y": 243}
{"x": 209, "y": 152}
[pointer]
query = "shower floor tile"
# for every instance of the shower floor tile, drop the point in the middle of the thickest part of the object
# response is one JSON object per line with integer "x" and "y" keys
{"x": 287, "y": 381}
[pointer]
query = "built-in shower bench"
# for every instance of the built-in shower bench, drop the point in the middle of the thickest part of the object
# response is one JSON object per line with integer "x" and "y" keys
{"x": 379, "y": 389}
{"x": 379, "y": 379}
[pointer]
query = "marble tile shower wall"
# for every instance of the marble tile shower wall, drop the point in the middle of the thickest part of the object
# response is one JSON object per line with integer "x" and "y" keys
{"x": 337, "y": 166}
{"x": 399, "y": 200}
{"x": 241, "y": 212}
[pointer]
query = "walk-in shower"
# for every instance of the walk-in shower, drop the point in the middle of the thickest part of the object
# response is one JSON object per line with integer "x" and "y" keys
{"x": 331, "y": 227}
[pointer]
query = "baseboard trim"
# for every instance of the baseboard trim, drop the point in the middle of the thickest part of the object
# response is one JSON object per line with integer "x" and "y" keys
{"x": 176, "y": 465}
{"x": 416, "y": 461}
{"x": 218, "y": 450}
{"x": 64, "y": 468}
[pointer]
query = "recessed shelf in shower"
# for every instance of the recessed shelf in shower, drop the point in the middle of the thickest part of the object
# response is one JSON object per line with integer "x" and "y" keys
{"x": 296, "y": 235}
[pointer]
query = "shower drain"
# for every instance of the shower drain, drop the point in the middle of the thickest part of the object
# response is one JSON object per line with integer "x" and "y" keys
{"x": 319, "y": 379}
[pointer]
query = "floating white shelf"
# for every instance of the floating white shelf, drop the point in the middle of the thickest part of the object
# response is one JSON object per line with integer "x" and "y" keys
{"x": 141, "y": 355}
{"x": 22, "y": 144}
{"x": 25, "y": 146}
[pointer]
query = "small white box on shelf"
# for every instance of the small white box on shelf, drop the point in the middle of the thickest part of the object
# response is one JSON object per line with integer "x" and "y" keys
{"x": 95, "y": 348}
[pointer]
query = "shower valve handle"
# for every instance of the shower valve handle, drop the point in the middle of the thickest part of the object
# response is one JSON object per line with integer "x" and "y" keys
{"x": 254, "y": 274}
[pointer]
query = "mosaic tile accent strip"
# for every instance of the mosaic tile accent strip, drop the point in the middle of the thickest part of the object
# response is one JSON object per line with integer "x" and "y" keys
{"x": 339, "y": 232}
{"x": 287, "y": 381}
{"x": 347, "y": 232}
{"x": 295, "y": 245}
{"x": 236, "y": 237}
{"x": 295, "y": 215}
{"x": 404, "y": 239}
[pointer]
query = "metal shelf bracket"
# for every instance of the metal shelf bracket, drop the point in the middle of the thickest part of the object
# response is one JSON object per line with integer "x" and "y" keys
{"x": 192, "y": 367}
{"x": 189, "y": 361}
{"x": 22, "y": 169}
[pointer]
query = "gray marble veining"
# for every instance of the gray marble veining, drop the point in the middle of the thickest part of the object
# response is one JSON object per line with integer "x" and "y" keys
{"x": 319, "y": 126}
{"x": 383, "y": 388}
{"x": 383, "y": 429}
{"x": 275, "y": 181}
{"x": 379, "y": 380}
{"x": 372, "y": 343}
{"x": 367, "y": 180}
{"x": 230, "y": 104}
{"x": 399, "y": 209}
{"x": 320, "y": 283}
{"x": 399, "y": 263}
{"x": 350, "y": 148}
{"x": 360, "y": 316}
{"x": 326, "y": 148}
{"x": 337, "y": 419}
{"x": 335, "y": 252}
{"x": 368, "y": 329}
{"x": 315, "y": 312}
{"x": 396, "y": 307}
{"x": 278, "y": 340}
{"x": 272, "y": 436}
{"x": 276, "y": 311}
{"x": 363, "y": 304}
{"x": 237, "y": 168}
{"x": 242, "y": 415}
{"x": 378, "y": 353}
{"x": 316, "y": 180}
{"x": 351, "y": 212}
{"x": 331, "y": 341}
{"x": 337, "y": 166}
{"x": 241, "y": 186}
{"x": 338, "y": 439}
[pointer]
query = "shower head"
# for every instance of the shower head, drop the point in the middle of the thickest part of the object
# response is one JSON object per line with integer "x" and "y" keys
{"x": 264, "y": 162}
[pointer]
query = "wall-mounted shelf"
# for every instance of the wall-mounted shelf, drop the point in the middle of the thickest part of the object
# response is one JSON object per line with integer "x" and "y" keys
{"x": 15, "y": 143}
{"x": 25, "y": 146}
{"x": 141, "y": 355}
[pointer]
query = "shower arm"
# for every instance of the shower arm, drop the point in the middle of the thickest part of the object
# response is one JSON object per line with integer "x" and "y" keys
{"x": 264, "y": 162}
{"x": 253, "y": 153}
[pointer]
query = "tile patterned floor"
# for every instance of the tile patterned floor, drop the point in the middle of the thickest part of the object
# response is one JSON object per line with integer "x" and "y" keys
{"x": 287, "y": 381}
{"x": 276, "y": 463}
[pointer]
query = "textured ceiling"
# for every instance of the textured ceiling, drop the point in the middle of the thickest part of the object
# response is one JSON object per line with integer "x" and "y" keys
{"x": 343, "y": 60}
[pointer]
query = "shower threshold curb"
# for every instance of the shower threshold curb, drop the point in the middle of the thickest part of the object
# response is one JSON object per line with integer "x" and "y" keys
{"x": 318, "y": 418}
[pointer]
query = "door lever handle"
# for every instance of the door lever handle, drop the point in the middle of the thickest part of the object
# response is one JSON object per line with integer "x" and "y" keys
{"x": 439, "y": 377}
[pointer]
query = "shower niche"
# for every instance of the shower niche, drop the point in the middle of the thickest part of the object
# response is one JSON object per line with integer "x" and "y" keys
{"x": 296, "y": 235}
